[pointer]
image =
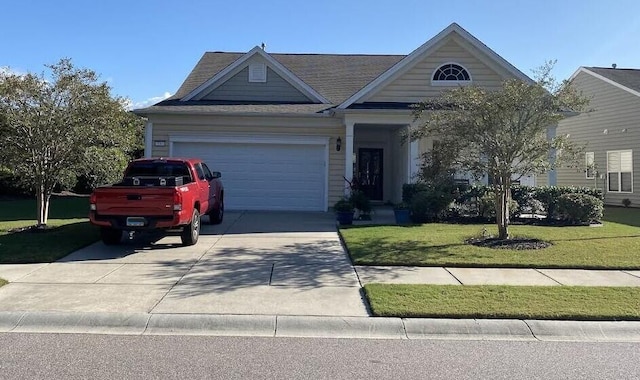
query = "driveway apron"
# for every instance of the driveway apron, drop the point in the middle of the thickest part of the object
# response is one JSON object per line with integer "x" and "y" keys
{"x": 271, "y": 263}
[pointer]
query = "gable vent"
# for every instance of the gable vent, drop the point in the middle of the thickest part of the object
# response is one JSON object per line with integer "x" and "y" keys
{"x": 257, "y": 72}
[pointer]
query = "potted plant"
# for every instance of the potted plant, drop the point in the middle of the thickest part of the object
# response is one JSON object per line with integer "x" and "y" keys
{"x": 344, "y": 211}
{"x": 402, "y": 213}
{"x": 361, "y": 203}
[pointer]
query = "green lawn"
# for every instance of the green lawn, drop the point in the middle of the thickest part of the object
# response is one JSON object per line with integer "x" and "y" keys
{"x": 616, "y": 245}
{"x": 69, "y": 230}
{"x": 522, "y": 302}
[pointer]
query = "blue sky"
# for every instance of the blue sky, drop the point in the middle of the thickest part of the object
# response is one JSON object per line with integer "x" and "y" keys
{"x": 145, "y": 49}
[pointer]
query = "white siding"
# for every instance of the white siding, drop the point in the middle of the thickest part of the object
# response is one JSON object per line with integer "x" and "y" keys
{"x": 415, "y": 84}
{"x": 612, "y": 125}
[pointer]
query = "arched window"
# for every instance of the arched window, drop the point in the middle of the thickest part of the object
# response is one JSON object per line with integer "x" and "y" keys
{"x": 449, "y": 74}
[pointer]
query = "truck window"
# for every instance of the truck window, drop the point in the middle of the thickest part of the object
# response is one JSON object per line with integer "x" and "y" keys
{"x": 200, "y": 171}
{"x": 160, "y": 169}
{"x": 207, "y": 172}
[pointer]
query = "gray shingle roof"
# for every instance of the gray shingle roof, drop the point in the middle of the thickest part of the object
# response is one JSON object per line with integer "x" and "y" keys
{"x": 627, "y": 77}
{"x": 334, "y": 76}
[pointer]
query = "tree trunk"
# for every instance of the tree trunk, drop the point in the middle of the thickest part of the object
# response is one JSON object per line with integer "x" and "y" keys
{"x": 43, "y": 197}
{"x": 503, "y": 194}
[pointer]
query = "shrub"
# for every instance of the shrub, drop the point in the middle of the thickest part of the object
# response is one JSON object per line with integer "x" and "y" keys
{"x": 360, "y": 201}
{"x": 626, "y": 202}
{"x": 343, "y": 205}
{"x": 549, "y": 196}
{"x": 429, "y": 205}
{"x": 579, "y": 208}
{"x": 487, "y": 206}
{"x": 409, "y": 189}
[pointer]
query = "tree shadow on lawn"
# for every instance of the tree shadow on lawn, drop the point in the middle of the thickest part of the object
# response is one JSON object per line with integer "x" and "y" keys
{"x": 62, "y": 207}
{"x": 47, "y": 245}
{"x": 380, "y": 251}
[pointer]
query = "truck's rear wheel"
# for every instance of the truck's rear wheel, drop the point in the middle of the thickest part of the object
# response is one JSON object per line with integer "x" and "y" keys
{"x": 191, "y": 231}
{"x": 110, "y": 236}
{"x": 217, "y": 214}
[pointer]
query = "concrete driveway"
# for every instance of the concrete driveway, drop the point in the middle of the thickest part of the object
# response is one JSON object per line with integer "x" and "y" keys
{"x": 271, "y": 263}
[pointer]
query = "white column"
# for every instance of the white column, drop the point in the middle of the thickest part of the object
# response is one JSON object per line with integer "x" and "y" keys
{"x": 148, "y": 139}
{"x": 413, "y": 160}
{"x": 348, "y": 156}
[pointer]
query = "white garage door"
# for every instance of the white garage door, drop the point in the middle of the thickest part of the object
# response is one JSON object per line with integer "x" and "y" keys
{"x": 265, "y": 176}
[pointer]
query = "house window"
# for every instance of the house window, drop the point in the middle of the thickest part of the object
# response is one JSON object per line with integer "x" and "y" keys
{"x": 620, "y": 171}
{"x": 450, "y": 74}
{"x": 590, "y": 169}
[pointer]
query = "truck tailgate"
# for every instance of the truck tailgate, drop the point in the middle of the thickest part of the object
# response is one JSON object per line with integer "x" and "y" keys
{"x": 135, "y": 201}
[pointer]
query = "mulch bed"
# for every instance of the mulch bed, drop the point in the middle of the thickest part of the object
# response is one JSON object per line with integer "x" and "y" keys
{"x": 513, "y": 243}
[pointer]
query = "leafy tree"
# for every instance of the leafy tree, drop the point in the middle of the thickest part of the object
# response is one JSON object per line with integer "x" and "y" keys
{"x": 54, "y": 127}
{"x": 501, "y": 133}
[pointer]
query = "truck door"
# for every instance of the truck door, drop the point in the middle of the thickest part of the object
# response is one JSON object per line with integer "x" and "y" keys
{"x": 204, "y": 189}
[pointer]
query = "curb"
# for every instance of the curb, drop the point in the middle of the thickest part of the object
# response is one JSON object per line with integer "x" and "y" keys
{"x": 318, "y": 327}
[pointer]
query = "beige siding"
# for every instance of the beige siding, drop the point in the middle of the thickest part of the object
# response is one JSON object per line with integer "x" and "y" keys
{"x": 614, "y": 110}
{"x": 238, "y": 88}
{"x": 166, "y": 126}
{"x": 415, "y": 84}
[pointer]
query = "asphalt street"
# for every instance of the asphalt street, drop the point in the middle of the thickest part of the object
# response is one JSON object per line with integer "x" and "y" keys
{"x": 82, "y": 356}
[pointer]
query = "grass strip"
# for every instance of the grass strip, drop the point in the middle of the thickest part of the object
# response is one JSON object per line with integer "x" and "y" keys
{"x": 612, "y": 246}
{"x": 62, "y": 237}
{"x": 509, "y": 302}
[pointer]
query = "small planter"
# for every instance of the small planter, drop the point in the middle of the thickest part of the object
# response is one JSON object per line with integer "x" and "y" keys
{"x": 402, "y": 216}
{"x": 345, "y": 218}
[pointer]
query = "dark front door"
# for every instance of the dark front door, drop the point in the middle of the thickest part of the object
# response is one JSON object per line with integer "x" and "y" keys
{"x": 370, "y": 172}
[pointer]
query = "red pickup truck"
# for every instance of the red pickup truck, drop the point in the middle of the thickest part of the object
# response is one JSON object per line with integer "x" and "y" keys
{"x": 159, "y": 193}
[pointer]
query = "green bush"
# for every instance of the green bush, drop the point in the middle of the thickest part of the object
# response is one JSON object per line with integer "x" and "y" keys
{"x": 360, "y": 201}
{"x": 429, "y": 205}
{"x": 549, "y": 196}
{"x": 487, "y": 206}
{"x": 579, "y": 208}
{"x": 409, "y": 189}
{"x": 343, "y": 205}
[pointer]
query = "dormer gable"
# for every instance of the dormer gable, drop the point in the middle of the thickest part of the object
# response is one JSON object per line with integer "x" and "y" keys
{"x": 255, "y": 77}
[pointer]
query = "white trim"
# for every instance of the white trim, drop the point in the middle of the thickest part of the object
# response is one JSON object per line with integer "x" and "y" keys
{"x": 413, "y": 161}
{"x": 451, "y": 83}
{"x": 620, "y": 172}
{"x": 148, "y": 139}
{"x": 583, "y": 69}
{"x": 262, "y": 139}
{"x": 326, "y": 175}
{"x": 272, "y": 63}
{"x": 410, "y": 60}
{"x": 348, "y": 155}
{"x": 250, "y": 139}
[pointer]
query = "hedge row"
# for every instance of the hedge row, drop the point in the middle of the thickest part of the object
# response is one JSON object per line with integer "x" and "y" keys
{"x": 428, "y": 202}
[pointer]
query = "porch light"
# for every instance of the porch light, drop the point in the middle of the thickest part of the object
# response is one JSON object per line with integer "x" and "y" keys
{"x": 338, "y": 144}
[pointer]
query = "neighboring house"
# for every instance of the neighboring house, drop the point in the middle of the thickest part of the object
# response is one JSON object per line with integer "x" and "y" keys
{"x": 287, "y": 129}
{"x": 611, "y": 132}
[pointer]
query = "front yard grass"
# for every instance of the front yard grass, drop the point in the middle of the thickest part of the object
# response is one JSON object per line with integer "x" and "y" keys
{"x": 68, "y": 231}
{"x": 615, "y": 245}
{"x": 522, "y": 302}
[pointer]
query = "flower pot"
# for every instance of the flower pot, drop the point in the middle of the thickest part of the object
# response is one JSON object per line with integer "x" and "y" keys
{"x": 344, "y": 217}
{"x": 402, "y": 216}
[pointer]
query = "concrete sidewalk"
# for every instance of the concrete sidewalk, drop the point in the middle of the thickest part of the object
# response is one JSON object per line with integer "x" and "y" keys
{"x": 496, "y": 276}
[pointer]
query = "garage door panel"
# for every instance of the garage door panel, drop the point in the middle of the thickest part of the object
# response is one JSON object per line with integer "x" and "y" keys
{"x": 265, "y": 176}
